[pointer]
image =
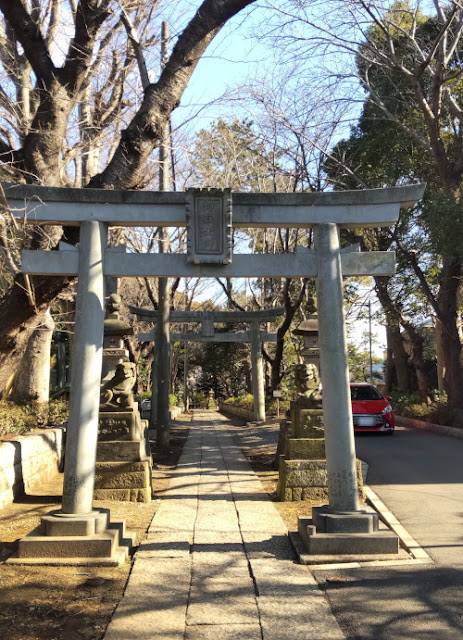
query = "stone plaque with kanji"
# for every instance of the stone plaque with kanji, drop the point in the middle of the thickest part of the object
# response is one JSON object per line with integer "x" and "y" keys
{"x": 209, "y": 232}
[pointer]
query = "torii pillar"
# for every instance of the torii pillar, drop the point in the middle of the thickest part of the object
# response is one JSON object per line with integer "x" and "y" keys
{"x": 357, "y": 531}
{"x": 337, "y": 408}
{"x": 257, "y": 373}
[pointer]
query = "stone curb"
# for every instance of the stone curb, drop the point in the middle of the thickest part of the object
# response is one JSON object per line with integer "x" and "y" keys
{"x": 406, "y": 541}
{"x": 411, "y": 423}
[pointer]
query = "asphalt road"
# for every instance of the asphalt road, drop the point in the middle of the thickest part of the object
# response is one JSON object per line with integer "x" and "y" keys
{"x": 419, "y": 476}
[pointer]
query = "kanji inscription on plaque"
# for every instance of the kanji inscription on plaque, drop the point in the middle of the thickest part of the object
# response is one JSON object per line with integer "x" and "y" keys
{"x": 209, "y": 217}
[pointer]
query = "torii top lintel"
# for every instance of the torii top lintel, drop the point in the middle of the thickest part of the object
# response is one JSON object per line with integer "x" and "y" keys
{"x": 217, "y": 315}
{"x": 362, "y": 208}
{"x": 367, "y": 208}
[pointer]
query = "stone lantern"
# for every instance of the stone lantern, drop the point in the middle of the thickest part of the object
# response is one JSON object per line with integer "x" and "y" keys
{"x": 115, "y": 329}
{"x": 308, "y": 329}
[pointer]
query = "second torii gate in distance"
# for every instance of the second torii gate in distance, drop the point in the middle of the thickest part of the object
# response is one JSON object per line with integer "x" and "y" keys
{"x": 207, "y": 319}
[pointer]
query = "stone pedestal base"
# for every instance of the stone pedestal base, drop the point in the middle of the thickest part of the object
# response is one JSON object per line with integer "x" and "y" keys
{"x": 305, "y": 449}
{"x": 307, "y": 480}
{"x": 123, "y": 468}
{"x": 120, "y": 425}
{"x": 302, "y": 480}
{"x": 305, "y": 422}
{"x": 68, "y": 539}
{"x": 346, "y": 534}
{"x": 122, "y": 451}
{"x": 130, "y": 481}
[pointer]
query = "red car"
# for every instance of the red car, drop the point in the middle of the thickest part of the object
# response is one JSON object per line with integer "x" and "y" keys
{"x": 371, "y": 410}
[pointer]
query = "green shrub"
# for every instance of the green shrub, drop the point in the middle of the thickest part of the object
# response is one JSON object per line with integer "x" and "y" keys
{"x": 271, "y": 406}
{"x": 245, "y": 402}
{"x": 439, "y": 396}
{"x": 173, "y": 400}
{"x": 402, "y": 403}
{"x": 199, "y": 400}
{"x": 409, "y": 405}
{"x": 420, "y": 411}
{"x": 58, "y": 412}
{"x": 17, "y": 419}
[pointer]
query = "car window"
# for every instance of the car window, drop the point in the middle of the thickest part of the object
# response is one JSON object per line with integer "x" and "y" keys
{"x": 365, "y": 393}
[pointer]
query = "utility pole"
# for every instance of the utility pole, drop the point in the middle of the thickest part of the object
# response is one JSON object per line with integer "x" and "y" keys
{"x": 162, "y": 343}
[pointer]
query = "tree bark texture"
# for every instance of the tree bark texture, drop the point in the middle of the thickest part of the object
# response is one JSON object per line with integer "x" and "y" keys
{"x": 399, "y": 360}
{"x": 440, "y": 364}
{"x": 18, "y": 319}
{"x": 450, "y": 340}
{"x": 36, "y": 359}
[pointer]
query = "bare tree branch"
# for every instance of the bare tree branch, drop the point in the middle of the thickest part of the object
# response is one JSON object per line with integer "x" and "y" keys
{"x": 131, "y": 32}
{"x": 160, "y": 99}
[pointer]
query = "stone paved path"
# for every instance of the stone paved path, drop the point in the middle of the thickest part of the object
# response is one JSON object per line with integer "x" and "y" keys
{"x": 217, "y": 563}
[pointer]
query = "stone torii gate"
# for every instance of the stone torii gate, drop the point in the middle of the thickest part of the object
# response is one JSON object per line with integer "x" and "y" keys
{"x": 209, "y": 219}
{"x": 207, "y": 319}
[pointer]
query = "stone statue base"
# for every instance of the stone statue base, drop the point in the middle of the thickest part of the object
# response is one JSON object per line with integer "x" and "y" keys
{"x": 128, "y": 481}
{"x": 306, "y": 422}
{"x": 302, "y": 464}
{"x": 124, "y": 465}
{"x": 120, "y": 425}
{"x": 307, "y": 480}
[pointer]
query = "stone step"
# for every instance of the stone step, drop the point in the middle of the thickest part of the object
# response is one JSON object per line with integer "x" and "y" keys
{"x": 140, "y": 494}
{"x": 377, "y": 542}
{"x": 95, "y": 545}
{"x": 122, "y": 451}
{"x": 118, "y": 557}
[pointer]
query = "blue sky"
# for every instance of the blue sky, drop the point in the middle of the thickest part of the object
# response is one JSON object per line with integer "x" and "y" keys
{"x": 233, "y": 55}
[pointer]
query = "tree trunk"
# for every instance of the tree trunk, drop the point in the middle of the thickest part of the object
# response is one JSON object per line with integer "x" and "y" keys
{"x": 18, "y": 319}
{"x": 247, "y": 376}
{"x": 395, "y": 319}
{"x": 399, "y": 360}
{"x": 32, "y": 381}
{"x": 418, "y": 362}
{"x": 450, "y": 340}
{"x": 290, "y": 311}
{"x": 439, "y": 356}
{"x": 388, "y": 365}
